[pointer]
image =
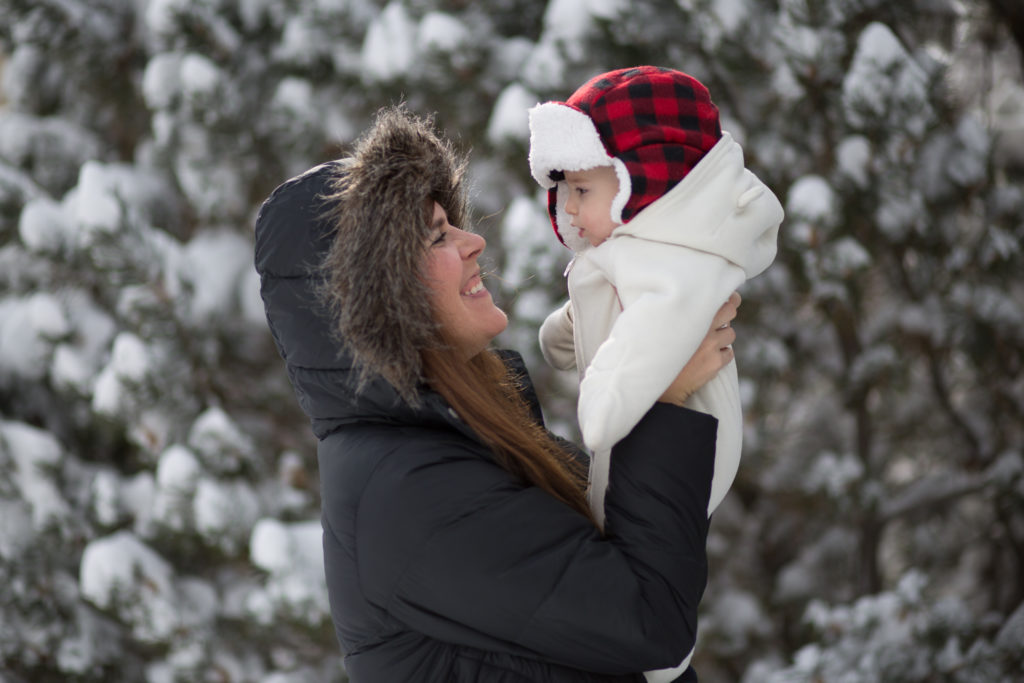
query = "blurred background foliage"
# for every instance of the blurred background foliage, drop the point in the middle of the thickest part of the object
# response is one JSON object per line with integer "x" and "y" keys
{"x": 159, "y": 496}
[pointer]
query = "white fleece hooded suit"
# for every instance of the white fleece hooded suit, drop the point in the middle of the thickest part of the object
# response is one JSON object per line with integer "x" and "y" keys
{"x": 695, "y": 224}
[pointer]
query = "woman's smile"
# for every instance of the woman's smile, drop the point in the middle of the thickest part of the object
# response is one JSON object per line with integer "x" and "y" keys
{"x": 461, "y": 302}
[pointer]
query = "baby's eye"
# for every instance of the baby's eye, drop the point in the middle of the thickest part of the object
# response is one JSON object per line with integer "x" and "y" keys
{"x": 581, "y": 190}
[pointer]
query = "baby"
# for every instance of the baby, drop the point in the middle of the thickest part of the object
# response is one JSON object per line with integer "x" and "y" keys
{"x": 666, "y": 223}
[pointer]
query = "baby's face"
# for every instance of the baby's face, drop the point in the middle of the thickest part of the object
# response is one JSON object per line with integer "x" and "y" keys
{"x": 590, "y": 202}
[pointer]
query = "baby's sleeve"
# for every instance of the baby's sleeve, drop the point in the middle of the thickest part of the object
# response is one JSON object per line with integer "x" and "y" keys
{"x": 669, "y": 296}
{"x": 556, "y": 342}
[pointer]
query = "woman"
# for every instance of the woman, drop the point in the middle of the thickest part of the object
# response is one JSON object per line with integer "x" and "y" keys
{"x": 458, "y": 545}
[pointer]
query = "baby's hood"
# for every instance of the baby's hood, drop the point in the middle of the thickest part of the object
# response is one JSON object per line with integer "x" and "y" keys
{"x": 720, "y": 207}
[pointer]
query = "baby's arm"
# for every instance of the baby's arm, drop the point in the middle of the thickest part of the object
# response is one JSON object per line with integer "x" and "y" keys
{"x": 669, "y": 296}
{"x": 556, "y": 339}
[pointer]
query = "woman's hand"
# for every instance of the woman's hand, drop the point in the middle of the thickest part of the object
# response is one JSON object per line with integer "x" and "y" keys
{"x": 714, "y": 353}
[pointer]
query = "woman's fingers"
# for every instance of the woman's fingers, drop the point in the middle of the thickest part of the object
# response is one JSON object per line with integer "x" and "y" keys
{"x": 713, "y": 354}
{"x": 722, "y": 333}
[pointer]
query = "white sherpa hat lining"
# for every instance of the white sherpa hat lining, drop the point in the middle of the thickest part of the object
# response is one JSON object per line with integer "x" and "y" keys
{"x": 562, "y": 138}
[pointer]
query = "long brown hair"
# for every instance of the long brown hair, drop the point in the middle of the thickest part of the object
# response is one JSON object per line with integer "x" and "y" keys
{"x": 373, "y": 288}
{"x": 487, "y": 397}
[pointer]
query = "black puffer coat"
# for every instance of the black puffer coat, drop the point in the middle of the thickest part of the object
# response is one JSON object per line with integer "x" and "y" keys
{"x": 443, "y": 568}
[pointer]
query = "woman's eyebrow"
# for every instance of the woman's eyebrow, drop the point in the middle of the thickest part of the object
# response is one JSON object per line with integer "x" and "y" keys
{"x": 439, "y": 223}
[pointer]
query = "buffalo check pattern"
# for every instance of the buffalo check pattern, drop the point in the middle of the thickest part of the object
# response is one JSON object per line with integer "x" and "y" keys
{"x": 651, "y": 123}
{"x": 659, "y": 122}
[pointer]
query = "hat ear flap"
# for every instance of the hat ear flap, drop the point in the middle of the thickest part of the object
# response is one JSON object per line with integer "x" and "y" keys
{"x": 625, "y": 190}
{"x": 561, "y": 221}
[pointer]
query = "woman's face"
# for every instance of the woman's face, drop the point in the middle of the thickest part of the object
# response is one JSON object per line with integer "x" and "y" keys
{"x": 463, "y": 307}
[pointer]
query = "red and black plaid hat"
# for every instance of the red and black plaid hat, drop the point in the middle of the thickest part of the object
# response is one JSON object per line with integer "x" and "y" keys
{"x": 650, "y": 123}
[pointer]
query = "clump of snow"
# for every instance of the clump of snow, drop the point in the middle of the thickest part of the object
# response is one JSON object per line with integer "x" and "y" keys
{"x": 811, "y": 198}
{"x": 785, "y": 83}
{"x": 105, "y": 497}
{"x": 507, "y": 57}
{"x": 178, "y": 470}
{"x": 225, "y": 513}
{"x": 388, "y": 49}
{"x": 567, "y": 25}
{"x": 291, "y": 491}
{"x": 37, "y": 457}
{"x": 136, "y": 499}
{"x": 29, "y": 328}
{"x": 545, "y": 68}
{"x": 250, "y": 299}
{"x": 834, "y": 474}
{"x": 255, "y": 12}
{"x": 301, "y": 42}
{"x": 44, "y": 226}
{"x": 884, "y": 625}
{"x": 1011, "y": 634}
{"x": 899, "y": 214}
{"x": 213, "y": 186}
{"x": 722, "y": 19}
{"x": 292, "y": 555}
{"x": 885, "y": 84}
{"x": 161, "y": 81}
{"x": 532, "y": 306}
{"x": 16, "y": 187}
{"x": 875, "y": 361}
{"x": 294, "y": 96}
{"x": 177, "y": 473}
{"x": 994, "y": 305}
{"x": 811, "y": 208}
{"x": 212, "y": 263}
{"x": 767, "y": 352}
{"x": 969, "y": 166}
{"x": 92, "y": 644}
{"x": 53, "y": 148}
{"x": 77, "y": 360}
{"x": 16, "y": 529}
{"x": 731, "y": 14}
{"x": 221, "y": 446}
{"x": 441, "y": 32}
{"x": 804, "y": 577}
{"x": 530, "y": 241}
{"x": 853, "y": 157}
{"x": 161, "y": 16}
{"x": 109, "y": 197}
{"x": 97, "y": 206}
{"x": 574, "y": 19}
{"x": 121, "y": 574}
{"x": 129, "y": 364}
{"x": 808, "y": 48}
{"x": 200, "y": 77}
{"x": 509, "y": 120}
{"x": 737, "y": 621}
{"x": 844, "y": 257}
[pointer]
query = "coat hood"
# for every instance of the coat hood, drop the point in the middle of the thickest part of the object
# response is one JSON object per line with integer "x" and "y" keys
{"x": 294, "y": 233}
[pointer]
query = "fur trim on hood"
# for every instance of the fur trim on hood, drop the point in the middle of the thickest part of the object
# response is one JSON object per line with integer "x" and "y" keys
{"x": 381, "y": 208}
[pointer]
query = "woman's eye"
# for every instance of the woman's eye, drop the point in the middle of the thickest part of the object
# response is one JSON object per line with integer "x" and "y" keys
{"x": 439, "y": 239}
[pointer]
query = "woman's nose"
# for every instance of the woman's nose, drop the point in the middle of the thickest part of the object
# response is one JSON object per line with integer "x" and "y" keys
{"x": 472, "y": 245}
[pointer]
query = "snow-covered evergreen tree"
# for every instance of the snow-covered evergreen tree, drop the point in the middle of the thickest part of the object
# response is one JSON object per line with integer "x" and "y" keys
{"x": 158, "y": 504}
